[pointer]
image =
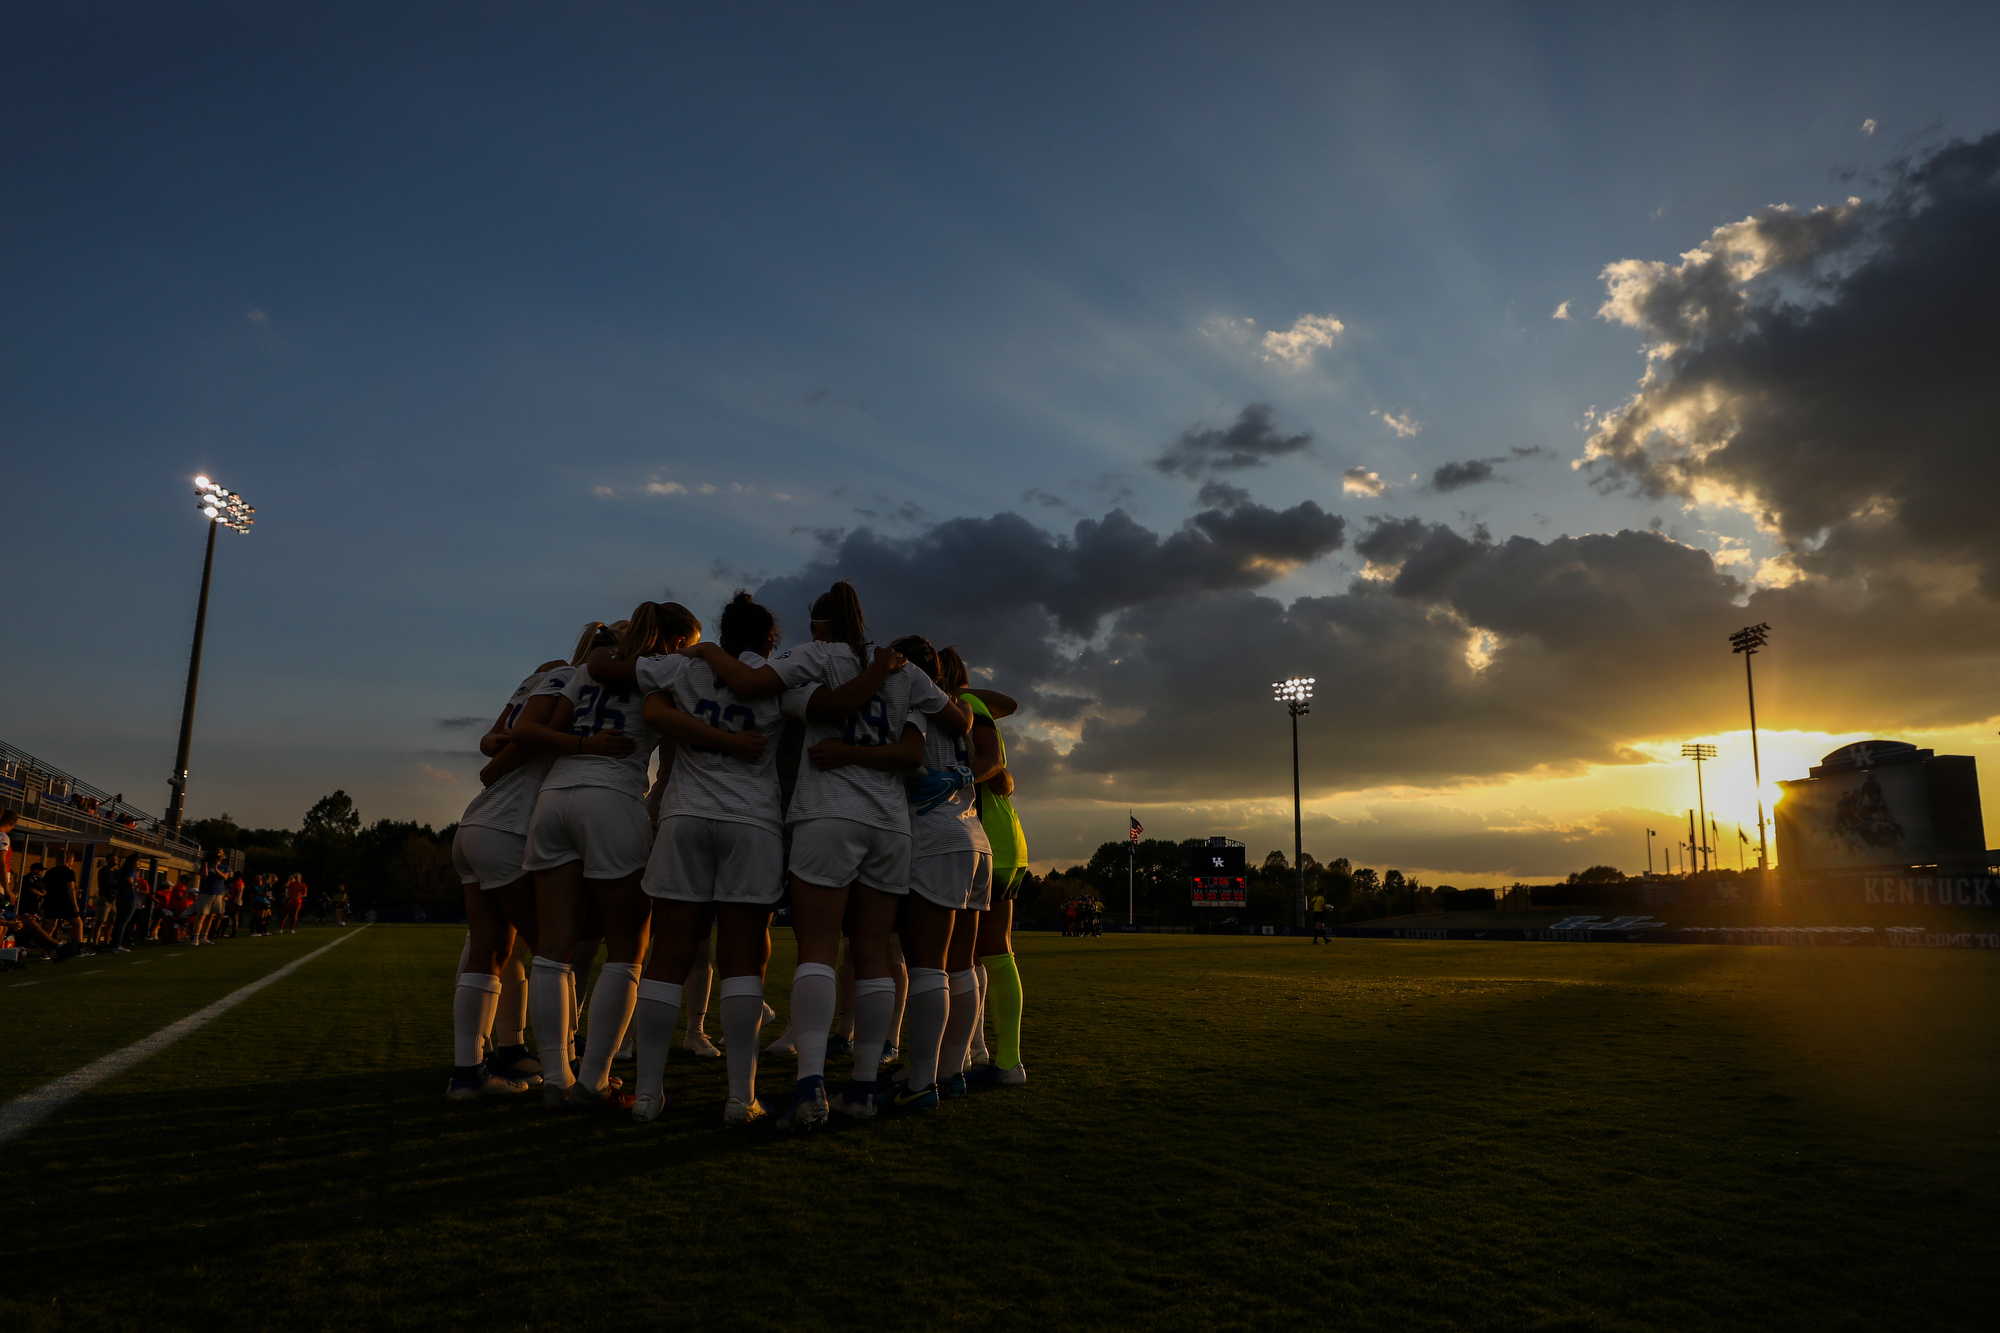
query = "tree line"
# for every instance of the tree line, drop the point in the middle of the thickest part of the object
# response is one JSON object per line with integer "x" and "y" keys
{"x": 391, "y": 863}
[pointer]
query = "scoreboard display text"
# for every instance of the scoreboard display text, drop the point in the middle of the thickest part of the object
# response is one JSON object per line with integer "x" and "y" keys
{"x": 1219, "y": 876}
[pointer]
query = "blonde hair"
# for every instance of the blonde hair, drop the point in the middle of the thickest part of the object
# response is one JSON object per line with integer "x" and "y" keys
{"x": 653, "y": 626}
{"x": 586, "y": 641}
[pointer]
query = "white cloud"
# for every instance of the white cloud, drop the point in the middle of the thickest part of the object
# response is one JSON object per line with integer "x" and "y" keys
{"x": 1295, "y": 346}
{"x": 665, "y": 488}
{"x": 1562, "y": 311}
{"x": 1868, "y": 126}
{"x": 705, "y": 489}
{"x": 1404, "y": 425}
{"x": 263, "y": 321}
{"x": 605, "y": 491}
{"x": 1360, "y": 481}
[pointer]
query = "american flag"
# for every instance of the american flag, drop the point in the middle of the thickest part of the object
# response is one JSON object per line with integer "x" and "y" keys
{"x": 1137, "y": 827}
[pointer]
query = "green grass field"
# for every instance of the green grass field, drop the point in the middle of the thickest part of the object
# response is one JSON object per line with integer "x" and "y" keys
{"x": 1219, "y": 1133}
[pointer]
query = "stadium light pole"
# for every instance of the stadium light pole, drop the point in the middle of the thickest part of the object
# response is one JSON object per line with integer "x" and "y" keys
{"x": 1747, "y": 641}
{"x": 1296, "y": 695}
{"x": 1699, "y": 753}
{"x": 224, "y": 509}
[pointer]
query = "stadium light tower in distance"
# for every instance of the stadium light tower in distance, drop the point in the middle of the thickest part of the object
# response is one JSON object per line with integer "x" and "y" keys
{"x": 224, "y": 509}
{"x": 1698, "y": 753}
{"x": 1296, "y": 695}
{"x": 1747, "y": 641}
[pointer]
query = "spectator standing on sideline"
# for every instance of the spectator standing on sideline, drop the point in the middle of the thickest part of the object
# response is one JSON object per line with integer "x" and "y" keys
{"x": 232, "y": 908}
{"x": 60, "y": 906}
{"x": 260, "y": 906}
{"x": 7, "y": 821}
{"x": 107, "y": 903}
{"x": 295, "y": 899}
{"x": 209, "y": 898}
{"x": 1317, "y": 906}
{"x": 125, "y": 894}
{"x": 338, "y": 901}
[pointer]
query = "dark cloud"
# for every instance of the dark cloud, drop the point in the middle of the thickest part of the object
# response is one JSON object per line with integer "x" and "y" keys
{"x": 1010, "y": 592}
{"x": 1252, "y": 440}
{"x": 1457, "y": 476}
{"x": 1831, "y": 372}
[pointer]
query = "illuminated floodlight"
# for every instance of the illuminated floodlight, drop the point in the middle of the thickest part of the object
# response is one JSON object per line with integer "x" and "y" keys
{"x": 1298, "y": 691}
{"x": 222, "y": 506}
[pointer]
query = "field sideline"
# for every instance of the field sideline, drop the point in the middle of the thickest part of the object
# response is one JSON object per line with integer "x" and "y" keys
{"x": 1219, "y": 1132}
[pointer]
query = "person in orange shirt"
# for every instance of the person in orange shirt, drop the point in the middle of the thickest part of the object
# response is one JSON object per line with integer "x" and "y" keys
{"x": 295, "y": 898}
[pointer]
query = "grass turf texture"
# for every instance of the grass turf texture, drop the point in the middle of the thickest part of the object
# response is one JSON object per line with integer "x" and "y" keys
{"x": 1220, "y": 1132}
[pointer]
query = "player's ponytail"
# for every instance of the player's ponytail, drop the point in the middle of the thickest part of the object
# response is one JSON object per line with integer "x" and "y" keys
{"x": 655, "y": 627}
{"x": 586, "y": 641}
{"x": 951, "y": 673}
{"x": 918, "y": 649}
{"x": 747, "y": 627}
{"x": 839, "y": 607}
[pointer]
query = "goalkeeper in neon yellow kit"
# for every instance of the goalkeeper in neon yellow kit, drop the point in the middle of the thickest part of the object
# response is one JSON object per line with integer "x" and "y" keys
{"x": 999, "y": 978}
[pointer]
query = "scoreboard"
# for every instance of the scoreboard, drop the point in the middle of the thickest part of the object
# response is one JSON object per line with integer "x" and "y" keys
{"x": 1219, "y": 873}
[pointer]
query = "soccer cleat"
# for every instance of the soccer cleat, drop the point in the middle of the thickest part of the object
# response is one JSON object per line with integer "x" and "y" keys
{"x": 839, "y": 1045}
{"x": 905, "y": 1098}
{"x": 951, "y": 1089}
{"x": 744, "y": 1113}
{"x": 993, "y": 1076}
{"x": 857, "y": 1099}
{"x": 611, "y": 1097}
{"x": 808, "y": 1105}
{"x": 697, "y": 1043}
{"x": 515, "y": 1062}
{"x": 555, "y": 1098}
{"x": 649, "y": 1106}
{"x": 471, "y": 1082}
{"x": 783, "y": 1045}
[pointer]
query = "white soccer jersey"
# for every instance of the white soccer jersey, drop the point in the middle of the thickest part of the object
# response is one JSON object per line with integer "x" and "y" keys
{"x": 853, "y": 791}
{"x": 953, "y": 826}
{"x": 509, "y": 803}
{"x": 596, "y": 708}
{"x": 706, "y": 782}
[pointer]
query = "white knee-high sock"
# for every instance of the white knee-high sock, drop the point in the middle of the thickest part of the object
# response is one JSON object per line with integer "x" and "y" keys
{"x": 874, "y": 1007}
{"x": 978, "y": 1049}
{"x": 742, "y": 1015}
{"x": 610, "y": 1010}
{"x": 812, "y": 1015}
{"x": 927, "y": 1009}
{"x": 953, "y": 1051}
{"x": 701, "y": 979}
{"x": 510, "y": 1016}
{"x": 549, "y": 1002}
{"x": 472, "y": 1007}
{"x": 659, "y": 1009}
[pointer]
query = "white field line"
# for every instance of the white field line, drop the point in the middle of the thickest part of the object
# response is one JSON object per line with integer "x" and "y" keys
{"x": 25, "y": 1112}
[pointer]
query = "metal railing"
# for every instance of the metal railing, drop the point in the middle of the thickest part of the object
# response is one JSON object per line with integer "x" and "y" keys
{"x": 50, "y": 797}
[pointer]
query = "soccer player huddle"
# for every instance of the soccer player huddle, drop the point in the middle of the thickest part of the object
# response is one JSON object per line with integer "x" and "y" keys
{"x": 865, "y": 786}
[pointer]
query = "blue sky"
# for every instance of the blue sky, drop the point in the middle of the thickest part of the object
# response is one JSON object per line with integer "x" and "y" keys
{"x": 474, "y": 302}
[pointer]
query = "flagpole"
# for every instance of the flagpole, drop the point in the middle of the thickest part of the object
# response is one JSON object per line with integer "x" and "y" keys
{"x": 1131, "y": 850}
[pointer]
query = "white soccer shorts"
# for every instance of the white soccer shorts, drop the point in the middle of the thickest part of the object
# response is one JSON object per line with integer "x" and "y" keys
{"x": 700, "y": 860}
{"x": 488, "y": 857}
{"x": 962, "y": 881}
{"x": 604, "y": 828}
{"x": 834, "y": 853}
